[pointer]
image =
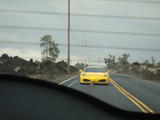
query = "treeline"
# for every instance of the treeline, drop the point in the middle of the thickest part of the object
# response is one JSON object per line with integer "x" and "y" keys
{"x": 149, "y": 69}
{"x": 112, "y": 63}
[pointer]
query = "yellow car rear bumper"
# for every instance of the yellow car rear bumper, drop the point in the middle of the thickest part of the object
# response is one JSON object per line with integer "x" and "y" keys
{"x": 94, "y": 80}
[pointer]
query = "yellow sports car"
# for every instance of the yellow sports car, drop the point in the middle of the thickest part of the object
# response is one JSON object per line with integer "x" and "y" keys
{"x": 95, "y": 75}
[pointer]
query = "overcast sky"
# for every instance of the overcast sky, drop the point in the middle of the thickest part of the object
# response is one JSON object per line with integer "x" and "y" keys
{"x": 147, "y": 24}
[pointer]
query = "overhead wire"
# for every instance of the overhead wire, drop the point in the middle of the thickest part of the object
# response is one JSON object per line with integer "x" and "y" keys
{"x": 53, "y": 13}
{"x": 88, "y": 31}
{"x": 80, "y": 30}
{"x": 52, "y": 8}
{"x": 87, "y": 46}
{"x": 134, "y": 1}
{"x": 77, "y": 14}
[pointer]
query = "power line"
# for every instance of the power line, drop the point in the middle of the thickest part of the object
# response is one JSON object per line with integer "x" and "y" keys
{"x": 79, "y": 14}
{"x": 80, "y": 30}
{"x": 117, "y": 48}
{"x": 87, "y": 46}
{"x": 52, "y": 8}
{"x": 135, "y": 1}
{"x": 92, "y": 61}
{"x": 60, "y": 59}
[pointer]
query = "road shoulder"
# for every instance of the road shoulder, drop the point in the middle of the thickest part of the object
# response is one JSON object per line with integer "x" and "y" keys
{"x": 60, "y": 78}
{"x": 156, "y": 82}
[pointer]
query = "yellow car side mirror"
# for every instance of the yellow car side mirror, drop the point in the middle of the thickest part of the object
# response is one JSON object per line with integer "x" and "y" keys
{"x": 80, "y": 70}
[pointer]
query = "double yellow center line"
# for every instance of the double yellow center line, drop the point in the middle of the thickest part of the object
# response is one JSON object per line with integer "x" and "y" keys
{"x": 144, "y": 108}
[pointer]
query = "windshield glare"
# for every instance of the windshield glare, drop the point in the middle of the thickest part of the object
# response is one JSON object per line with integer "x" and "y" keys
{"x": 98, "y": 70}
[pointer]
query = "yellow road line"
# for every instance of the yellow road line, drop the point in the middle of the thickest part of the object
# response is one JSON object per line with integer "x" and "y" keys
{"x": 141, "y": 108}
{"x": 144, "y": 108}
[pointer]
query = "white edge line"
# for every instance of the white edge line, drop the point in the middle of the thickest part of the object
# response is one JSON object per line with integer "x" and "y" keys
{"x": 147, "y": 81}
{"x": 72, "y": 83}
{"x": 151, "y": 82}
{"x": 68, "y": 80}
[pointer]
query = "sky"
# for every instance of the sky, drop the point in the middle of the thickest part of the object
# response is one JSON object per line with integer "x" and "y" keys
{"x": 118, "y": 18}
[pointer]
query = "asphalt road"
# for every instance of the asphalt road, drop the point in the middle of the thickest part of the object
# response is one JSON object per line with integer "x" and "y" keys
{"x": 124, "y": 91}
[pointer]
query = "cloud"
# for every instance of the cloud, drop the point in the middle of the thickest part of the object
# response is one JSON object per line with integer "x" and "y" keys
{"x": 23, "y": 53}
{"x": 89, "y": 23}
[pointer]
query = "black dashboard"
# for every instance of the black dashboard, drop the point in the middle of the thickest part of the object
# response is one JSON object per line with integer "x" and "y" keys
{"x": 31, "y": 99}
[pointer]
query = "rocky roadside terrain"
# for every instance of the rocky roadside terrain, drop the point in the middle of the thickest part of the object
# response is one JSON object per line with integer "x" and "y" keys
{"x": 46, "y": 70}
{"x": 142, "y": 71}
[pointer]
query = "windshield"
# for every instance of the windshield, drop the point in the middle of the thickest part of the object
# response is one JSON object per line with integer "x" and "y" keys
{"x": 55, "y": 40}
{"x": 101, "y": 70}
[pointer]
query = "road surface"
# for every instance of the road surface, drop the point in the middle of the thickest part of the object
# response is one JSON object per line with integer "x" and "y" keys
{"x": 124, "y": 91}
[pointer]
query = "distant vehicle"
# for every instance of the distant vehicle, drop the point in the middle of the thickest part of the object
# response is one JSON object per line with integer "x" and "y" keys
{"x": 95, "y": 75}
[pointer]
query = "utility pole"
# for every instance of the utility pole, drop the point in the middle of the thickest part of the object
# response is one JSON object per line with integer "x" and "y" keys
{"x": 83, "y": 54}
{"x": 68, "y": 64}
{"x": 85, "y": 48}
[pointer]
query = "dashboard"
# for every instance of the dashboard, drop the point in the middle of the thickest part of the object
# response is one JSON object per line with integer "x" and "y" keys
{"x": 31, "y": 99}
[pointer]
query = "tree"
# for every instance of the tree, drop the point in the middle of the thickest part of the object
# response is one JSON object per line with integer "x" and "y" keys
{"x": 110, "y": 62}
{"x": 123, "y": 60}
{"x": 50, "y": 49}
{"x": 153, "y": 61}
{"x": 123, "y": 63}
{"x": 158, "y": 64}
{"x": 80, "y": 66}
{"x": 146, "y": 62}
